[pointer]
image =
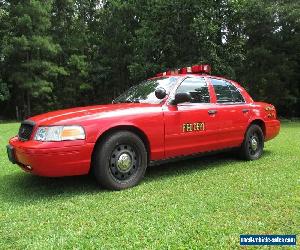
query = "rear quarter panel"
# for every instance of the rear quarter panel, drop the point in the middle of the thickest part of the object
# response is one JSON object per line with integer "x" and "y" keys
{"x": 267, "y": 113}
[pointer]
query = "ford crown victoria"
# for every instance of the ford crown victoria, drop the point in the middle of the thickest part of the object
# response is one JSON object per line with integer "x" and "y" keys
{"x": 177, "y": 113}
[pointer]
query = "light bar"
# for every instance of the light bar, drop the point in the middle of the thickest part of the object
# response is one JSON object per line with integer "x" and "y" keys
{"x": 200, "y": 69}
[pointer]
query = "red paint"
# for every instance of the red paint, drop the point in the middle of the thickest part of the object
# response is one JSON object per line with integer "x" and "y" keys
{"x": 161, "y": 124}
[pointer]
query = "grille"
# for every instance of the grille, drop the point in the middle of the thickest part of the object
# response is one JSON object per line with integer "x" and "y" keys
{"x": 26, "y": 130}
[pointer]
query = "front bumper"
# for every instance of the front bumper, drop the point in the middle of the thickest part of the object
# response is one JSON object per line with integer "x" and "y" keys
{"x": 52, "y": 159}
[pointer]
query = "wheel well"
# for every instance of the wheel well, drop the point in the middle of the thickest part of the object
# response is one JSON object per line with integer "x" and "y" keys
{"x": 132, "y": 129}
{"x": 261, "y": 124}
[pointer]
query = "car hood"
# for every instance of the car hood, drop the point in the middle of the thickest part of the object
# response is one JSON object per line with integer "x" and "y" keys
{"x": 80, "y": 114}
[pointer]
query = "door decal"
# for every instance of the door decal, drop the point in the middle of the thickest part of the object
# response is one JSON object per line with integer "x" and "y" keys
{"x": 190, "y": 127}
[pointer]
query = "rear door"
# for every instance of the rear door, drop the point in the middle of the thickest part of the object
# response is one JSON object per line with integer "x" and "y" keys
{"x": 190, "y": 127}
{"x": 232, "y": 113}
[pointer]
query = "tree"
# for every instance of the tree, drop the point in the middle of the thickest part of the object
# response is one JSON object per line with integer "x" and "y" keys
{"x": 271, "y": 66}
{"x": 29, "y": 53}
{"x": 70, "y": 28}
{"x": 4, "y": 92}
{"x": 164, "y": 37}
{"x": 112, "y": 48}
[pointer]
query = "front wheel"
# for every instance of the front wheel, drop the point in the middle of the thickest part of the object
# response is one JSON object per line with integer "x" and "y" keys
{"x": 120, "y": 161}
{"x": 253, "y": 144}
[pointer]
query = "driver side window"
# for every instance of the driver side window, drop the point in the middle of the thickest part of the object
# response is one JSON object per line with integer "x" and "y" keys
{"x": 197, "y": 88}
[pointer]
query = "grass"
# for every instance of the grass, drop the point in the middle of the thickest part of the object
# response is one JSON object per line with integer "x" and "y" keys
{"x": 201, "y": 203}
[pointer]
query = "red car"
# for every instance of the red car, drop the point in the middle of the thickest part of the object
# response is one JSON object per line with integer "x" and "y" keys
{"x": 178, "y": 113}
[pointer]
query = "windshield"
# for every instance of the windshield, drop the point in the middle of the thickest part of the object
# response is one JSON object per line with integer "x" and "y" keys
{"x": 145, "y": 91}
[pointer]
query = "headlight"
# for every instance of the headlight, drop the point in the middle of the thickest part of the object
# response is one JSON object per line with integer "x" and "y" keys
{"x": 59, "y": 133}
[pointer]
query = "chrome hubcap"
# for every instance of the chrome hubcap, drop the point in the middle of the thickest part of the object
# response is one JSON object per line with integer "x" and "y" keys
{"x": 254, "y": 144}
{"x": 124, "y": 162}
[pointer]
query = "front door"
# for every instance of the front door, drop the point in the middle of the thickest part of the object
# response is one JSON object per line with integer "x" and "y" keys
{"x": 190, "y": 127}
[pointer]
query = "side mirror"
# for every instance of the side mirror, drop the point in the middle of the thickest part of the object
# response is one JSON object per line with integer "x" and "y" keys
{"x": 181, "y": 97}
{"x": 160, "y": 93}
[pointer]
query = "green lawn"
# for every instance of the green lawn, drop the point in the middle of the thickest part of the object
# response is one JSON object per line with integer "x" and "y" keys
{"x": 201, "y": 203}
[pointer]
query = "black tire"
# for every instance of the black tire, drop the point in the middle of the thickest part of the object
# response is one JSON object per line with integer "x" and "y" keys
{"x": 253, "y": 144}
{"x": 120, "y": 160}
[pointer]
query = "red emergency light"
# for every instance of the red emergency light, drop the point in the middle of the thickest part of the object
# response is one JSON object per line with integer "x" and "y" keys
{"x": 200, "y": 69}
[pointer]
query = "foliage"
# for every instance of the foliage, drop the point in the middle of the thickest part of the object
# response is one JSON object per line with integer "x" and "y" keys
{"x": 29, "y": 53}
{"x": 273, "y": 53}
{"x": 64, "y": 53}
{"x": 4, "y": 92}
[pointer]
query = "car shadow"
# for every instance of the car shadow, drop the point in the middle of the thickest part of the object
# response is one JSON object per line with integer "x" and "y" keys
{"x": 20, "y": 188}
{"x": 188, "y": 166}
{"x": 23, "y": 187}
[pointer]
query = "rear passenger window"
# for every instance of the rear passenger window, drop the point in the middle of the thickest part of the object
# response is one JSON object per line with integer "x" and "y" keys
{"x": 226, "y": 92}
{"x": 197, "y": 88}
{"x": 237, "y": 97}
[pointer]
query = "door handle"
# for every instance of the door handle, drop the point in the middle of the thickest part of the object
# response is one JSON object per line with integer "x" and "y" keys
{"x": 212, "y": 112}
{"x": 245, "y": 110}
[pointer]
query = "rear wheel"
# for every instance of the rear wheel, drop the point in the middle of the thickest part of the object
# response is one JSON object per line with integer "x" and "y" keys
{"x": 120, "y": 161}
{"x": 253, "y": 145}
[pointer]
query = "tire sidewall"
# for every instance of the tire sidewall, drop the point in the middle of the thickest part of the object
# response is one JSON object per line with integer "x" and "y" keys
{"x": 102, "y": 160}
{"x": 245, "y": 147}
